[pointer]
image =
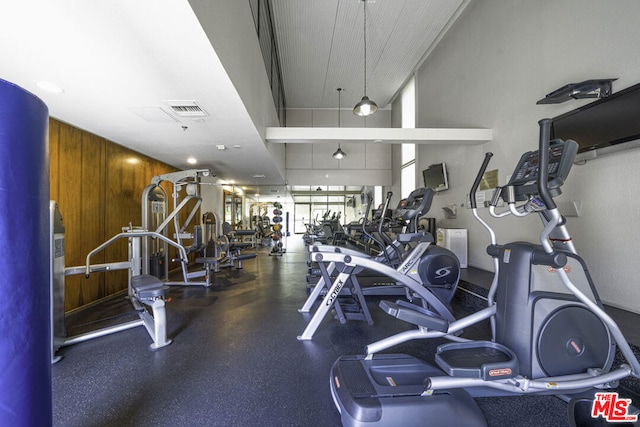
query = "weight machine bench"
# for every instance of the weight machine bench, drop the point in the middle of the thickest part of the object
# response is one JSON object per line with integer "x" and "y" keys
{"x": 212, "y": 264}
{"x": 150, "y": 291}
{"x": 143, "y": 290}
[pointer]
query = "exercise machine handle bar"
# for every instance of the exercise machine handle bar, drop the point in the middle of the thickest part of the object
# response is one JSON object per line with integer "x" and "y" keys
{"x": 364, "y": 224}
{"x": 492, "y": 236}
{"x": 543, "y": 164}
{"x": 553, "y": 216}
{"x": 129, "y": 234}
{"x": 386, "y": 240}
{"x": 382, "y": 242}
{"x": 366, "y": 232}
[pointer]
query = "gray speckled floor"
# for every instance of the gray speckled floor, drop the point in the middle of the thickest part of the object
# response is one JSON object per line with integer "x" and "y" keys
{"x": 235, "y": 360}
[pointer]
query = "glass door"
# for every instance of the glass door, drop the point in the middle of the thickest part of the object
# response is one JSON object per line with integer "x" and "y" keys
{"x": 301, "y": 217}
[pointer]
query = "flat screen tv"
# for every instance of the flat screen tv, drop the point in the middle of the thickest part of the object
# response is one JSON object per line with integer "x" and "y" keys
{"x": 435, "y": 177}
{"x": 603, "y": 125}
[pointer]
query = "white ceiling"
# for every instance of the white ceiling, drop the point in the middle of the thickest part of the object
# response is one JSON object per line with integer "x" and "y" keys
{"x": 120, "y": 61}
{"x": 321, "y": 46}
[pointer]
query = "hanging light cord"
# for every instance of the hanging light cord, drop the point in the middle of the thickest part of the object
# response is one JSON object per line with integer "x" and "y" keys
{"x": 339, "y": 90}
{"x": 365, "y": 46}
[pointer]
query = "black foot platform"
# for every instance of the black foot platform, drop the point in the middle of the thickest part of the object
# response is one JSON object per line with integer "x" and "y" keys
{"x": 387, "y": 390}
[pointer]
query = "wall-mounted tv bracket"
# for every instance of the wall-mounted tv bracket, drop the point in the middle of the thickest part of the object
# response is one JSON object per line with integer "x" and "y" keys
{"x": 599, "y": 88}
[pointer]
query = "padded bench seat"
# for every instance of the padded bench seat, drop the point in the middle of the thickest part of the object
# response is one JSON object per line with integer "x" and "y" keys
{"x": 244, "y": 256}
{"x": 239, "y": 245}
{"x": 146, "y": 286}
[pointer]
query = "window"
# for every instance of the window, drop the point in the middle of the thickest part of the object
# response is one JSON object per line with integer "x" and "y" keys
{"x": 408, "y": 179}
{"x": 378, "y": 198}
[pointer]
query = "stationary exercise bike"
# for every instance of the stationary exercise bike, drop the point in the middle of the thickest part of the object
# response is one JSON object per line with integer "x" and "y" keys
{"x": 427, "y": 274}
{"x": 551, "y": 335}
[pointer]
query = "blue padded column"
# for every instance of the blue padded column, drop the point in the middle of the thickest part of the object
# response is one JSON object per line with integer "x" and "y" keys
{"x": 25, "y": 360}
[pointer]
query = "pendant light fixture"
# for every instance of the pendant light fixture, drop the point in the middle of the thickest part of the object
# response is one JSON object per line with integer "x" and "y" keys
{"x": 365, "y": 107}
{"x": 339, "y": 154}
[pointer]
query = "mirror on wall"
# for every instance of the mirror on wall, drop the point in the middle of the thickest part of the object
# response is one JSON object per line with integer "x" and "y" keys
{"x": 233, "y": 209}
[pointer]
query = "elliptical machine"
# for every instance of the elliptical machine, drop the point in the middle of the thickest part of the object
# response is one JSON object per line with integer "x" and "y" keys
{"x": 551, "y": 335}
{"x": 426, "y": 274}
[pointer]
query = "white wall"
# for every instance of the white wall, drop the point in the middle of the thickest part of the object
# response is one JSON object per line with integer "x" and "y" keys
{"x": 313, "y": 164}
{"x": 232, "y": 33}
{"x": 490, "y": 69}
{"x": 396, "y": 154}
{"x": 212, "y": 200}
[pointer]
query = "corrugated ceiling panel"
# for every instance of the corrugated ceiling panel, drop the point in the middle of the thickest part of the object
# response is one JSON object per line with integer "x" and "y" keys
{"x": 322, "y": 46}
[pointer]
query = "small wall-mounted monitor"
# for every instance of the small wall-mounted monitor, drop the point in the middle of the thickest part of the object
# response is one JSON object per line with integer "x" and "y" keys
{"x": 435, "y": 177}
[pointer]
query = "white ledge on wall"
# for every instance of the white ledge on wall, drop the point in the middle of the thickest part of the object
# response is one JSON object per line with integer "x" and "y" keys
{"x": 301, "y": 135}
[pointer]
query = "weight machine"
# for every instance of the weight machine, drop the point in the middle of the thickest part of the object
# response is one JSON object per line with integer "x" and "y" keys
{"x": 220, "y": 248}
{"x": 143, "y": 290}
{"x": 155, "y": 253}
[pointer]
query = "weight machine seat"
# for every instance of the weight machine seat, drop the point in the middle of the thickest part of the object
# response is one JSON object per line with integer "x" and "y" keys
{"x": 239, "y": 245}
{"x": 245, "y": 232}
{"x": 244, "y": 256}
{"x": 146, "y": 286}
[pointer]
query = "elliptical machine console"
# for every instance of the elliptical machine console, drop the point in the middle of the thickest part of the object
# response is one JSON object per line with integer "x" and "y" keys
{"x": 418, "y": 203}
{"x": 524, "y": 179}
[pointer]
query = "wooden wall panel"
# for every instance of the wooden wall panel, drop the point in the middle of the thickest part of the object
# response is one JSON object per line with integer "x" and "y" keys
{"x": 91, "y": 226}
{"x": 98, "y": 186}
{"x": 70, "y": 204}
{"x": 123, "y": 206}
{"x": 54, "y": 156}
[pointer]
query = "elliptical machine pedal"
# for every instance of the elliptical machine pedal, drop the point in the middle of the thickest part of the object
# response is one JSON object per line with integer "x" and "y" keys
{"x": 390, "y": 392}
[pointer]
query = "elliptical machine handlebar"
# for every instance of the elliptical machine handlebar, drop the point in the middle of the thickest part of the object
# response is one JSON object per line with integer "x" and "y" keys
{"x": 379, "y": 242}
{"x": 554, "y": 216}
{"x": 387, "y": 201}
{"x": 385, "y": 239}
{"x": 543, "y": 162}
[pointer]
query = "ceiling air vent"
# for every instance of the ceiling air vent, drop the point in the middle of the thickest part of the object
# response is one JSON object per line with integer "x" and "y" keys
{"x": 186, "y": 108}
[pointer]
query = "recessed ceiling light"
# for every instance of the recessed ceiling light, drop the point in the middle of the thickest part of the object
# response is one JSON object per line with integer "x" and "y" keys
{"x": 192, "y": 161}
{"x": 238, "y": 146}
{"x": 221, "y": 147}
{"x": 49, "y": 87}
{"x": 258, "y": 176}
